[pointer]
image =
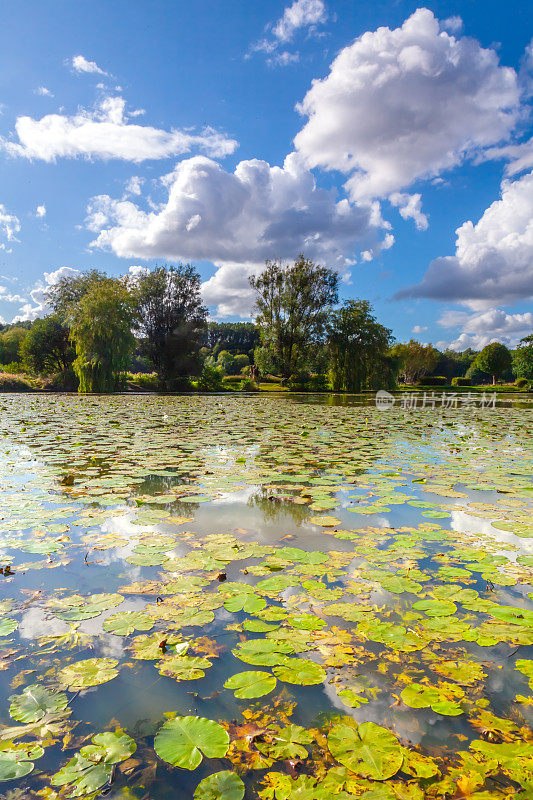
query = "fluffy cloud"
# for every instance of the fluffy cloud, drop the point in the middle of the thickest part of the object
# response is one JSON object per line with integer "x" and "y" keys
{"x": 410, "y": 206}
{"x": 420, "y": 328}
{"x": 493, "y": 261}
{"x": 482, "y": 328}
{"x": 9, "y": 226}
{"x": 40, "y": 211}
{"x": 38, "y": 306}
{"x": 80, "y": 64}
{"x": 43, "y": 92}
{"x": 237, "y": 219}
{"x": 106, "y": 133}
{"x": 404, "y": 104}
{"x": 301, "y": 14}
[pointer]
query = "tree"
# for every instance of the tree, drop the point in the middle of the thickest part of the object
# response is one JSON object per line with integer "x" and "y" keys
{"x": 10, "y": 343}
{"x": 293, "y": 304}
{"x": 415, "y": 360}
{"x": 237, "y": 337}
{"x": 523, "y": 358}
{"x": 172, "y": 320}
{"x": 359, "y": 349}
{"x": 70, "y": 289}
{"x": 47, "y": 347}
{"x": 101, "y": 328}
{"x": 494, "y": 359}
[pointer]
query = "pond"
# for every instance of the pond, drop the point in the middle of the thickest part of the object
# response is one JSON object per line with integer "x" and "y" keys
{"x": 282, "y": 596}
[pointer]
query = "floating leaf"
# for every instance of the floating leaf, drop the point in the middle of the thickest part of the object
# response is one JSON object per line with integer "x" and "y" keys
{"x": 183, "y": 741}
{"x": 224, "y": 785}
{"x": 368, "y": 750}
{"x": 90, "y": 672}
{"x": 300, "y": 671}
{"x": 251, "y": 684}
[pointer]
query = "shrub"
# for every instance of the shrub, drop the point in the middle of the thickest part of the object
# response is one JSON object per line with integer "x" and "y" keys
{"x": 434, "y": 380}
{"x": 248, "y": 385}
{"x": 299, "y": 381}
{"x": 144, "y": 380}
{"x": 13, "y": 368}
{"x": 64, "y": 381}
{"x": 461, "y": 381}
{"x": 210, "y": 380}
{"x": 14, "y": 383}
{"x": 521, "y": 383}
{"x": 318, "y": 383}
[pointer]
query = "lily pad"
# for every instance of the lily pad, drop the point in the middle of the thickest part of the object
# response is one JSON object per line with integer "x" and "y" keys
{"x": 224, "y": 785}
{"x": 183, "y": 741}
{"x": 251, "y": 684}
{"x": 90, "y": 672}
{"x": 367, "y": 750}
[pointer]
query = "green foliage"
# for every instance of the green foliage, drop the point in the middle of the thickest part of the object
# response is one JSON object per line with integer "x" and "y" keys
{"x": 293, "y": 304}
{"x": 523, "y": 358}
{"x": 172, "y": 320}
{"x": 69, "y": 290}
{"x": 452, "y": 364}
{"x": 459, "y": 381}
{"x": 494, "y": 359}
{"x": 101, "y": 329}
{"x": 236, "y": 337}
{"x": 210, "y": 380}
{"x": 10, "y": 343}
{"x": 240, "y": 363}
{"x": 358, "y": 347}
{"x": 434, "y": 380}
{"x": 521, "y": 383}
{"x": 415, "y": 359}
{"x": 47, "y": 347}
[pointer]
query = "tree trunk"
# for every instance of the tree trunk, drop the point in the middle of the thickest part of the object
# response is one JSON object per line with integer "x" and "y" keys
{"x": 494, "y": 380}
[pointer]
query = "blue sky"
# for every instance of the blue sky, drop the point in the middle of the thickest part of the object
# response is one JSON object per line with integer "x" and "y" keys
{"x": 223, "y": 132}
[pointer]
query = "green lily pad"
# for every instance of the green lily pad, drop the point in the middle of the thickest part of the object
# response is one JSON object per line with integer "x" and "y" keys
{"x": 224, "y": 785}
{"x": 368, "y": 750}
{"x": 90, "y": 672}
{"x": 126, "y": 622}
{"x": 251, "y": 684}
{"x": 35, "y": 702}
{"x": 183, "y": 741}
{"x": 300, "y": 671}
{"x": 92, "y": 767}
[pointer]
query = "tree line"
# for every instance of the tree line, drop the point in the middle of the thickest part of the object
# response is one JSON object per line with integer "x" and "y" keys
{"x": 101, "y": 328}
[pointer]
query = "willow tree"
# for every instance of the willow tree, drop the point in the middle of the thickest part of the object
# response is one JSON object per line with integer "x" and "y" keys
{"x": 359, "y": 349}
{"x": 101, "y": 326}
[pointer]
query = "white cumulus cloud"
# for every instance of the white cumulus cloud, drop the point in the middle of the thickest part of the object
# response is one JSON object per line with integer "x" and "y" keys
{"x": 81, "y": 64}
{"x": 40, "y": 211}
{"x": 405, "y": 104}
{"x": 410, "y": 206}
{"x": 493, "y": 261}
{"x": 43, "y": 91}
{"x": 237, "y": 219}
{"x": 38, "y": 306}
{"x": 301, "y": 14}
{"x": 106, "y": 133}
